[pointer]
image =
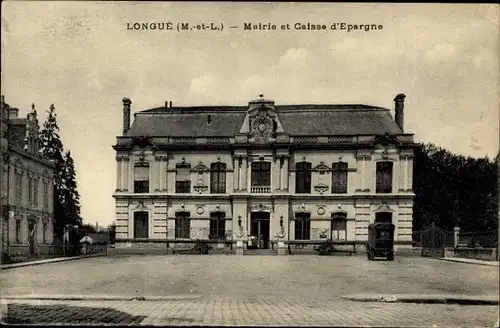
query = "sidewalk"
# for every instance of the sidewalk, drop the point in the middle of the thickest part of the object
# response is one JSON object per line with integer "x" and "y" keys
{"x": 57, "y": 259}
{"x": 470, "y": 261}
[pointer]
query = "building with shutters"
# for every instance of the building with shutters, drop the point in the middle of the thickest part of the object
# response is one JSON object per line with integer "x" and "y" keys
{"x": 262, "y": 172}
{"x": 26, "y": 188}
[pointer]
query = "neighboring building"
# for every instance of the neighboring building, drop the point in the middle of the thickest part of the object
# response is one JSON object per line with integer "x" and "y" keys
{"x": 26, "y": 187}
{"x": 282, "y": 172}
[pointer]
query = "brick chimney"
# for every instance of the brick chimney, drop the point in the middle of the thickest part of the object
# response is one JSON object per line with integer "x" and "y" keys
{"x": 399, "y": 113}
{"x": 126, "y": 114}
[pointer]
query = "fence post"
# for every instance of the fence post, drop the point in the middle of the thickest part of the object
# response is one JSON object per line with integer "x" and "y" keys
{"x": 456, "y": 232}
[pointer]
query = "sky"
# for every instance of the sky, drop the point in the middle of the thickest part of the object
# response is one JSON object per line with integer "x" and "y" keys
{"x": 81, "y": 57}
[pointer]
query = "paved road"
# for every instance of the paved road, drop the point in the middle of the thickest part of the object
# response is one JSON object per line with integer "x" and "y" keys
{"x": 285, "y": 290}
{"x": 297, "y": 278}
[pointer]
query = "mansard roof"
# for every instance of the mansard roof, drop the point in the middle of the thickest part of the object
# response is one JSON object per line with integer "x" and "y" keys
{"x": 296, "y": 120}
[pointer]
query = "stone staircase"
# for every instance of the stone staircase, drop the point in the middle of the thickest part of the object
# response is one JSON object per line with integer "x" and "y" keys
{"x": 260, "y": 252}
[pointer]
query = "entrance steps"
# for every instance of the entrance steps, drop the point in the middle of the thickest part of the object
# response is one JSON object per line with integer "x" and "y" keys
{"x": 260, "y": 252}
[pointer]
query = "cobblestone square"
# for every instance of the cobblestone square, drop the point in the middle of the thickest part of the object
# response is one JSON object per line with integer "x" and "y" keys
{"x": 249, "y": 290}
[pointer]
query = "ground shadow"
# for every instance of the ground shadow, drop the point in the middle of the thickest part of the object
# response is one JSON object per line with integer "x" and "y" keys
{"x": 66, "y": 314}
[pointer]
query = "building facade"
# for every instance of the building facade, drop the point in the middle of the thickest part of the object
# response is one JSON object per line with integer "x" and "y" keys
{"x": 262, "y": 173}
{"x": 26, "y": 187}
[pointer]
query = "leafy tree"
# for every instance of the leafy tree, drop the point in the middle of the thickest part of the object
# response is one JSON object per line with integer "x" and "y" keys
{"x": 453, "y": 190}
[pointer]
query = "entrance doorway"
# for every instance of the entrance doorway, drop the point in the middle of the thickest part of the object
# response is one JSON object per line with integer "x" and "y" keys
{"x": 259, "y": 230}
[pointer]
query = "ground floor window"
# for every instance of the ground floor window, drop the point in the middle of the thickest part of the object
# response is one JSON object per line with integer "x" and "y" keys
{"x": 339, "y": 226}
{"x": 303, "y": 227}
{"x": 141, "y": 225}
{"x": 44, "y": 232}
{"x": 18, "y": 231}
{"x": 217, "y": 226}
{"x": 182, "y": 227}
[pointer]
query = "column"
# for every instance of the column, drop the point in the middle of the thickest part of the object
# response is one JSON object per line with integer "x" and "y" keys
{"x": 156, "y": 183}
{"x": 125, "y": 173}
{"x": 363, "y": 173}
{"x": 410, "y": 173}
{"x": 236, "y": 171}
{"x": 118, "y": 173}
{"x": 285, "y": 173}
{"x": 244, "y": 174}
{"x": 276, "y": 174}
{"x": 164, "y": 169}
{"x": 405, "y": 161}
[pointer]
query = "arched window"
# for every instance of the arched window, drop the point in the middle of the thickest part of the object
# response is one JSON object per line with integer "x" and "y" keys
{"x": 339, "y": 178}
{"x": 338, "y": 226}
{"x": 384, "y": 177}
{"x": 303, "y": 226}
{"x": 303, "y": 178}
{"x": 218, "y": 178}
{"x": 141, "y": 178}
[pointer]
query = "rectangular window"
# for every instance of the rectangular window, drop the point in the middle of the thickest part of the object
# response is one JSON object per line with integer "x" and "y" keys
{"x": 338, "y": 227}
{"x": 339, "y": 178}
{"x": 303, "y": 227}
{"x": 183, "y": 179}
{"x": 30, "y": 190}
{"x": 218, "y": 178}
{"x": 141, "y": 225}
{"x": 44, "y": 232}
{"x": 141, "y": 179}
{"x": 261, "y": 174}
{"x": 18, "y": 231}
{"x": 45, "y": 195}
{"x": 303, "y": 178}
{"x": 217, "y": 226}
{"x": 384, "y": 177}
{"x": 35, "y": 192}
{"x": 19, "y": 188}
{"x": 182, "y": 227}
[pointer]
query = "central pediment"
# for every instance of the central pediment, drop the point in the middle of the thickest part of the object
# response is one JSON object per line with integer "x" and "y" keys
{"x": 261, "y": 122}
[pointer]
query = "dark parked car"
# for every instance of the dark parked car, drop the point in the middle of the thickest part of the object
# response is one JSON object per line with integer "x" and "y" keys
{"x": 380, "y": 241}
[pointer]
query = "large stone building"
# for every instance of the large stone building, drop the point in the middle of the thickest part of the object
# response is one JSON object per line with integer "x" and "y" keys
{"x": 26, "y": 187}
{"x": 276, "y": 172}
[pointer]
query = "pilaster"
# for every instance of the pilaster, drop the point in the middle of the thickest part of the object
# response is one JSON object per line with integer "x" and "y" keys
{"x": 118, "y": 173}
